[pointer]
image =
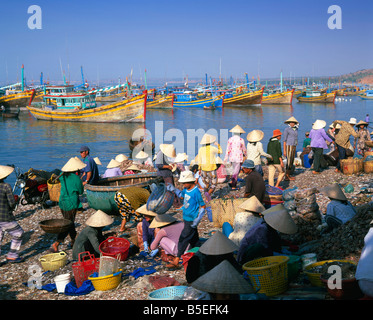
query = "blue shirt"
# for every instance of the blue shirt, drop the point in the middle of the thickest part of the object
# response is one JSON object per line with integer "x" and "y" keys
{"x": 192, "y": 202}
{"x": 91, "y": 167}
{"x": 340, "y": 210}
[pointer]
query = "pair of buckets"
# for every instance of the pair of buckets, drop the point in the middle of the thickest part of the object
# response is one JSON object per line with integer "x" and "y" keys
{"x": 61, "y": 281}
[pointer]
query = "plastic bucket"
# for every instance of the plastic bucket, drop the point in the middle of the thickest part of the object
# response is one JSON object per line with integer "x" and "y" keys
{"x": 308, "y": 259}
{"x": 61, "y": 281}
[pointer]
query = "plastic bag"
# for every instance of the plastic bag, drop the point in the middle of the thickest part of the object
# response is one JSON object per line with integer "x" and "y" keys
{"x": 306, "y": 201}
{"x": 288, "y": 194}
{"x": 304, "y": 193}
{"x": 349, "y": 188}
{"x": 303, "y": 209}
{"x": 290, "y": 205}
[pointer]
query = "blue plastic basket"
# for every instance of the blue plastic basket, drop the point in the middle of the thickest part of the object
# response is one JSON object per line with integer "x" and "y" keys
{"x": 168, "y": 293}
{"x": 160, "y": 200}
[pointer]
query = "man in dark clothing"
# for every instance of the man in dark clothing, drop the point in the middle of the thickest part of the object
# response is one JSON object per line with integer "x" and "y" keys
{"x": 254, "y": 183}
{"x": 90, "y": 173}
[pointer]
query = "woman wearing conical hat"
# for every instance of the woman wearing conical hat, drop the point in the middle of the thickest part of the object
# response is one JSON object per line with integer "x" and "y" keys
{"x": 112, "y": 169}
{"x": 8, "y": 222}
{"x": 206, "y": 160}
{"x": 145, "y": 234}
{"x": 290, "y": 141}
{"x": 69, "y": 202}
{"x": 91, "y": 236}
{"x": 263, "y": 239}
{"x": 364, "y": 135}
{"x": 339, "y": 210}
{"x": 255, "y": 149}
{"x": 235, "y": 153}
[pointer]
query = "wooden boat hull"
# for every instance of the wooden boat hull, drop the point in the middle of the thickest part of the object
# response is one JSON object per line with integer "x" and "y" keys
{"x": 323, "y": 98}
{"x": 279, "y": 98}
{"x": 12, "y": 115}
{"x": 365, "y": 97}
{"x": 217, "y": 101}
{"x": 101, "y": 196}
{"x": 244, "y": 99}
{"x": 297, "y": 93}
{"x": 161, "y": 103}
{"x": 354, "y": 93}
{"x": 111, "y": 98}
{"x": 131, "y": 110}
{"x": 14, "y": 101}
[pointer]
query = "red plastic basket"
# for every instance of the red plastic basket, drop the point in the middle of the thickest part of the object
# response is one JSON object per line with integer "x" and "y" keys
{"x": 113, "y": 246}
{"x": 84, "y": 267}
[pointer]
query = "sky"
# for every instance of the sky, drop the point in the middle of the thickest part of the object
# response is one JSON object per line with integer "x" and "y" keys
{"x": 175, "y": 39}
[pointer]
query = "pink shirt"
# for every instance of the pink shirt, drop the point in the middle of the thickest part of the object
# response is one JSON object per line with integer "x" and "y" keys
{"x": 171, "y": 231}
{"x": 236, "y": 149}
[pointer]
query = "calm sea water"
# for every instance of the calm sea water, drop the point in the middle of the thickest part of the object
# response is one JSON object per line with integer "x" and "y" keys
{"x": 29, "y": 143}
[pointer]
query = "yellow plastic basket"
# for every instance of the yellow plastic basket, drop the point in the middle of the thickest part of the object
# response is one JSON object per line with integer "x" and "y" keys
{"x": 53, "y": 261}
{"x": 107, "y": 282}
{"x": 314, "y": 277}
{"x": 268, "y": 275}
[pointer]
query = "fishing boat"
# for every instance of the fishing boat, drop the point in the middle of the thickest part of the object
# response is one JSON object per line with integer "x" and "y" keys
{"x": 242, "y": 98}
{"x": 8, "y": 114}
{"x": 278, "y": 97}
{"x": 367, "y": 95}
{"x": 190, "y": 99}
{"x": 159, "y": 102}
{"x": 317, "y": 96}
{"x": 82, "y": 107}
{"x": 101, "y": 195}
{"x": 13, "y": 100}
{"x": 354, "y": 91}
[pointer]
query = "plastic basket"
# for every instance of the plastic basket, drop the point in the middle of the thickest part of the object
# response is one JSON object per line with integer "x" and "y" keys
{"x": 168, "y": 293}
{"x": 268, "y": 275}
{"x": 160, "y": 200}
{"x": 315, "y": 277}
{"x": 84, "y": 267}
{"x": 108, "y": 265}
{"x": 53, "y": 261}
{"x": 113, "y": 246}
{"x": 108, "y": 282}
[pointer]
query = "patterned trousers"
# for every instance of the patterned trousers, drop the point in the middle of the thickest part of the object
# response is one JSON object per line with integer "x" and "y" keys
{"x": 290, "y": 155}
{"x": 125, "y": 208}
{"x": 210, "y": 179}
{"x": 16, "y": 232}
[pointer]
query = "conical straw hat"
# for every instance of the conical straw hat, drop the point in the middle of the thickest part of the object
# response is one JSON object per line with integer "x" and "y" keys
{"x": 334, "y": 191}
{"x": 280, "y": 219}
{"x": 161, "y": 220}
{"x": 255, "y": 136}
{"x": 218, "y": 160}
{"x": 99, "y": 219}
{"x": 318, "y": 124}
{"x": 252, "y": 204}
{"x": 113, "y": 164}
{"x": 121, "y": 157}
{"x": 237, "y": 129}
{"x": 145, "y": 211}
{"x": 291, "y": 119}
{"x": 168, "y": 150}
{"x": 361, "y": 122}
{"x": 218, "y": 244}
{"x": 5, "y": 171}
{"x": 207, "y": 139}
{"x": 223, "y": 279}
{"x": 74, "y": 164}
{"x": 180, "y": 157}
{"x": 133, "y": 167}
{"x": 142, "y": 155}
{"x": 98, "y": 162}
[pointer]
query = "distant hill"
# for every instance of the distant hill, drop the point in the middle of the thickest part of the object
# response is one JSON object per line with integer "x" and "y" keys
{"x": 364, "y": 76}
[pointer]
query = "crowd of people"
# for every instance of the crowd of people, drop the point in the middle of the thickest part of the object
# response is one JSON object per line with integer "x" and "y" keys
{"x": 256, "y": 231}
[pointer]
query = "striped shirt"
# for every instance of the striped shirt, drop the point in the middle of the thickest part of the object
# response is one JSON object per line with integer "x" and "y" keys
{"x": 342, "y": 138}
{"x": 7, "y": 202}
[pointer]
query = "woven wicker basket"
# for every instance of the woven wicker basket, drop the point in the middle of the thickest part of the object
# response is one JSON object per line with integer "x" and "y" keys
{"x": 53, "y": 261}
{"x": 55, "y": 225}
{"x": 54, "y": 190}
{"x": 224, "y": 210}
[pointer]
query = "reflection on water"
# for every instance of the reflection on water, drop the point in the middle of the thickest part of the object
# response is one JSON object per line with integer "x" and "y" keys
{"x": 48, "y": 145}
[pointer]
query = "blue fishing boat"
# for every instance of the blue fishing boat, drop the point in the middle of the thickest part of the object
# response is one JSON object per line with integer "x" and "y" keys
{"x": 367, "y": 95}
{"x": 191, "y": 100}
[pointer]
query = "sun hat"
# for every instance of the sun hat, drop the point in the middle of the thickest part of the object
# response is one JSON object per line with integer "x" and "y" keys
{"x": 187, "y": 176}
{"x": 218, "y": 160}
{"x": 361, "y": 122}
{"x": 208, "y": 139}
{"x": 255, "y": 136}
{"x": 180, "y": 157}
{"x": 352, "y": 121}
{"x": 318, "y": 124}
{"x": 145, "y": 211}
{"x": 276, "y": 133}
{"x": 99, "y": 219}
{"x": 98, "y": 162}
{"x": 168, "y": 150}
{"x": 113, "y": 164}
{"x": 237, "y": 129}
{"x": 291, "y": 119}
{"x": 121, "y": 157}
{"x": 252, "y": 204}
{"x": 74, "y": 164}
{"x": 280, "y": 219}
{"x": 161, "y": 220}
{"x": 138, "y": 134}
{"x": 333, "y": 191}
{"x": 218, "y": 244}
{"x": 223, "y": 279}
{"x": 142, "y": 155}
{"x": 5, "y": 171}
{"x": 133, "y": 167}
{"x": 249, "y": 164}
{"x": 83, "y": 148}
